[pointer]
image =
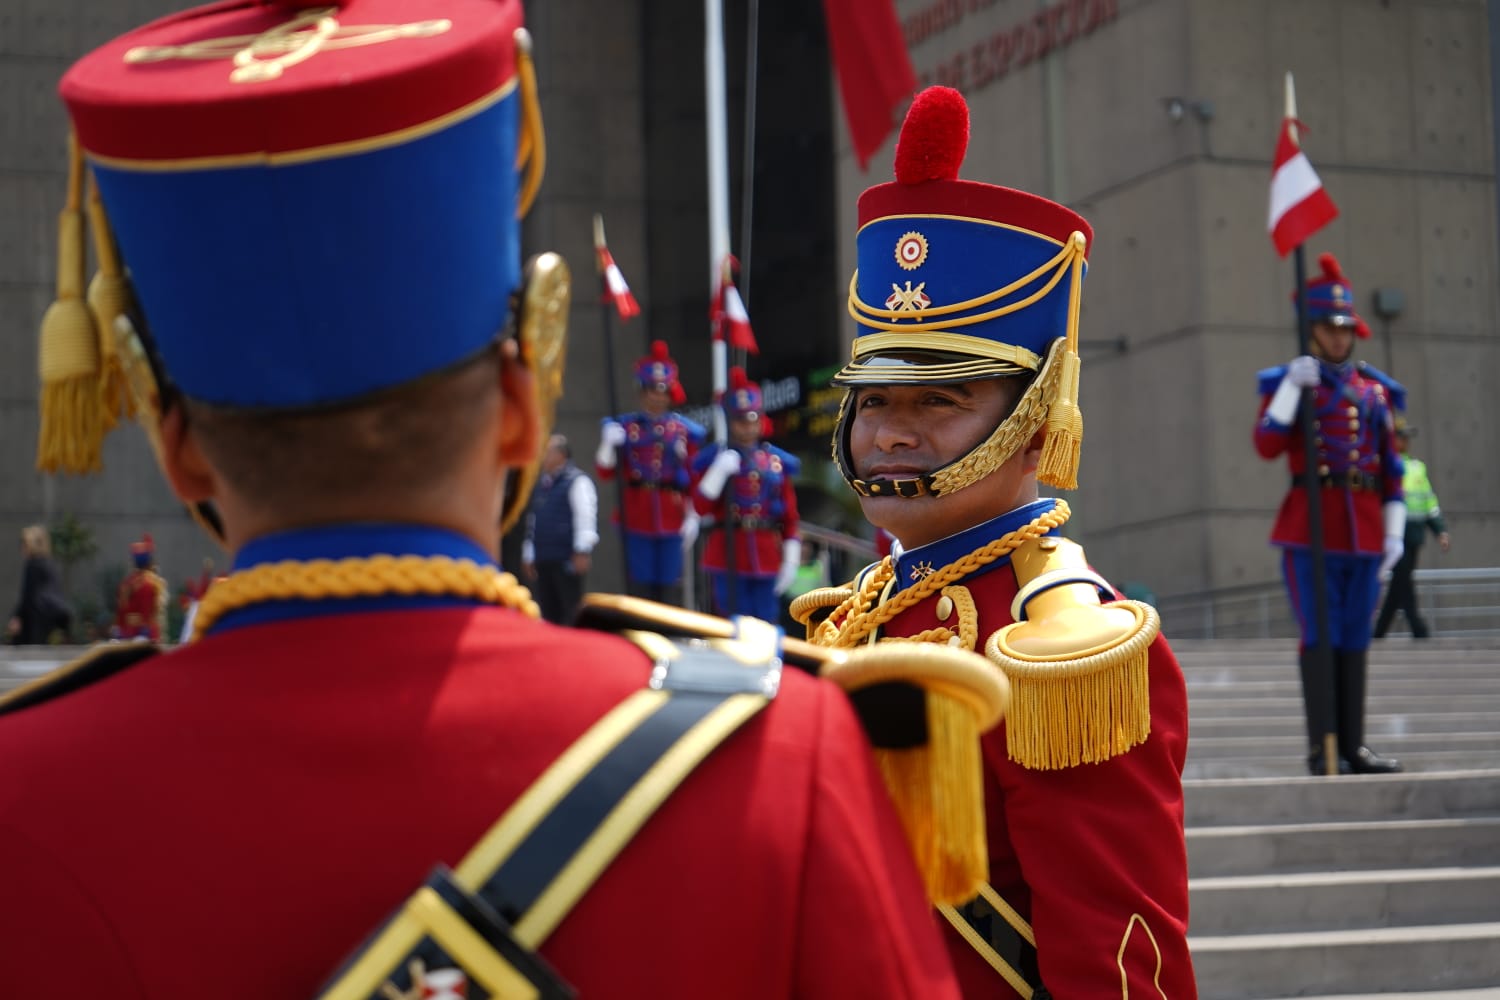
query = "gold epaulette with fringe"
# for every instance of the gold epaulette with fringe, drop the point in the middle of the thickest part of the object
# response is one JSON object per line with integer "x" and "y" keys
{"x": 810, "y": 609}
{"x": 1079, "y": 669}
{"x": 93, "y": 666}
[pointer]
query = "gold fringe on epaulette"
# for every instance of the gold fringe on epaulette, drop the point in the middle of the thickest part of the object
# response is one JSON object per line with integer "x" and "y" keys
{"x": 1063, "y": 450}
{"x": 109, "y": 299}
{"x": 70, "y": 436}
{"x": 804, "y": 608}
{"x": 1079, "y": 708}
{"x": 939, "y": 794}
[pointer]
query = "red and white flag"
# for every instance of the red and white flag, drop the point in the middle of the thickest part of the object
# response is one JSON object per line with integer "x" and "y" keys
{"x": 615, "y": 289}
{"x": 1299, "y": 205}
{"x": 731, "y": 321}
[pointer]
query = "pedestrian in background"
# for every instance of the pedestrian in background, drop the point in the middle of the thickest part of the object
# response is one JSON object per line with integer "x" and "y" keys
{"x": 1422, "y": 515}
{"x": 41, "y": 610}
{"x": 562, "y": 528}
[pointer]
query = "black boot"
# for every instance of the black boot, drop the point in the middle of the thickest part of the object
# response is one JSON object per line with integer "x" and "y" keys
{"x": 1351, "y": 672}
{"x": 1317, "y": 695}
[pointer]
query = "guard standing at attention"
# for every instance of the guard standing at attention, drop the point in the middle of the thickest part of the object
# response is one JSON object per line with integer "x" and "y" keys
{"x": 1363, "y": 510}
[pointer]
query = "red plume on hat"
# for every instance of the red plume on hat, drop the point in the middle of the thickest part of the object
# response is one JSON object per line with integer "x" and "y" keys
{"x": 934, "y": 138}
{"x": 1330, "y": 298}
{"x": 658, "y": 370}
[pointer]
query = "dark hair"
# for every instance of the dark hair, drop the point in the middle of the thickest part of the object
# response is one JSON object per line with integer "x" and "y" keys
{"x": 393, "y": 443}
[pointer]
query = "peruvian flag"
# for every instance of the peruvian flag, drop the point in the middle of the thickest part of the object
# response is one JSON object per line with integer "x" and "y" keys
{"x": 615, "y": 289}
{"x": 731, "y": 321}
{"x": 1299, "y": 205}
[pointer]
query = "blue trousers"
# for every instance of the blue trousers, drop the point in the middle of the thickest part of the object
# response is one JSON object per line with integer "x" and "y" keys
{"x": 1353, "y": 587}
{"x": 653, "y": 560}
{"x": 754, "y": 596}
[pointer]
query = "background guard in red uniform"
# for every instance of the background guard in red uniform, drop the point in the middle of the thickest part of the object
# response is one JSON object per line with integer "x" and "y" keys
{"x": 1364, "y": 513}
{"x": 141, "y": 599}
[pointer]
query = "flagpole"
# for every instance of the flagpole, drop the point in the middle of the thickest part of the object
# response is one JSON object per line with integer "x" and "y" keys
{"x": 607, "y": 306}
{"x": 718, "y": 248}
{"x": 747, "y": 174}
{"x": 1311, "y": 485}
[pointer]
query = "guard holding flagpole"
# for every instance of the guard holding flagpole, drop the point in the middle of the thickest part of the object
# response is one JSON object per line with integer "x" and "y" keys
{"x": 651, "y": 451}
{"x": 744, "y": 491}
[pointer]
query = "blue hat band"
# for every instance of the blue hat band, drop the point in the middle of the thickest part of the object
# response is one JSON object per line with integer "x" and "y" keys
{"x": 270, "y": 286}
{"x": 988, "y": 289}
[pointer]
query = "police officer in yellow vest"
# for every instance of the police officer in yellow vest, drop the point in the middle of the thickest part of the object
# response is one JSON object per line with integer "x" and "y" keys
{"x": 1422, "y": 515}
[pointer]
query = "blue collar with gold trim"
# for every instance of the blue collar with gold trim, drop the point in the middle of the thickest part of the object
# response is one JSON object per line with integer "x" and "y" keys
{"x": 914, "y": 564}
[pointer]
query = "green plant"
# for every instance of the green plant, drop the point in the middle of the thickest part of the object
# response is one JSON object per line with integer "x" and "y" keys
{"x": 73, "y": 542}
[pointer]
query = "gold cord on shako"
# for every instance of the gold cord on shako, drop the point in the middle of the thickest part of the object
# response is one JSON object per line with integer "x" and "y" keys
{"x": 372, "y": 576}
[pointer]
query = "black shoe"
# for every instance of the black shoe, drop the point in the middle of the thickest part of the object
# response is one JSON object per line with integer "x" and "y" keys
{"x": 1316, "y": 768}
{"x": 1367, "y": 761}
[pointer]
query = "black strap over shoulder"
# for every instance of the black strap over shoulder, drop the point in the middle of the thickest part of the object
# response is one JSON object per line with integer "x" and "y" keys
{"x": 475, "y": 930}
{"x": 92, "y": 667}
{"x": 1002, "y": 937}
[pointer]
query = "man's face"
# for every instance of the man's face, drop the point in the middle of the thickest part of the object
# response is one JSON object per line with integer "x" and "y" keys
{"x": 655, "y": 401}
{"x": 554, "y": 458}
{"x": 901, "y": 432}
{"x": 1333, "y": 344}
{"x": 744, "y": 431}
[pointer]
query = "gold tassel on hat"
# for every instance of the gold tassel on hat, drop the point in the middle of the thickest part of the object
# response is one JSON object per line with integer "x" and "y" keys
{"x": 71, "y": 435}
{"x": 937, "y": 784}
{"x": 109, "y": 299}
{"x": 1064, "y": 446}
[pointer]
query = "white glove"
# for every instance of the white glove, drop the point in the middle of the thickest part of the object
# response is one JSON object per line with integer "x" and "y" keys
{"x": 1301, "y": 373}
{"x": 725, "y": 464}
{"x": 689, "y": 530}
{"x": 791, "y": 561}
{"x": 1394, "y": 512}
{"x": 611, "y": 436}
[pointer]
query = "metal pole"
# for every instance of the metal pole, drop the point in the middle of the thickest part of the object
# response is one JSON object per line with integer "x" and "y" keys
{"x": 718, "y": 245}
{"x": 607, "y": 306}
{"x": 1322, "y": 651}
{"x": 747, "y": 173}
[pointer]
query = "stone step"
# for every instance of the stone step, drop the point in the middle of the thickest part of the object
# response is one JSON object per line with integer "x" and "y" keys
{"x": 1445, "y": 672}
{"x": 1229, "y": 747}
{"x": 1259, "y": 849}
{"x": 1440, "y": 702}
{"x": 1317, "y": 901}
{"x": 1293, "y": 765}
{"x": 1366, "y": 960}
{"x": 1484, "y": 993}
{"x": 1265, "y": 801}
{"x": 1375, "y": 725}
{"x": 1230, "y": 687}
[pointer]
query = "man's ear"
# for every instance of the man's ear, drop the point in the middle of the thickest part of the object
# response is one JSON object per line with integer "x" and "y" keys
{"x": 182, "y": 460}
{"x": 1031, "y": 455}
{"x": 520, "y": 426}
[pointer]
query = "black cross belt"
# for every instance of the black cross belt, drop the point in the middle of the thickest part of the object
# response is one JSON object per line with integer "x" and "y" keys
{"x": 1002, "y": 938}
{"x": 481, "y": 924}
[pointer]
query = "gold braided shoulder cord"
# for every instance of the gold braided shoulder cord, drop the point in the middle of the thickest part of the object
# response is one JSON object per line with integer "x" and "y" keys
{"x": 854, "y": 620}
{"x": 371, "y": 576}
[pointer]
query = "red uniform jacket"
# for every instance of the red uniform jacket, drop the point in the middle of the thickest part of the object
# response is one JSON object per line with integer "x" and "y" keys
{"x": 141, "y": 606}
{"x": 764, "y": 502}
{"x": 1093, "y": 856}
{"x": 1356, "y": 450}
{"x": 657, "y": 458}
{"x": 233, "y": 818}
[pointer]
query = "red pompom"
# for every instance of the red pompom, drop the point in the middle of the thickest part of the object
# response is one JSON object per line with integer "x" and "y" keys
{"x": 679, "y": 395}
{"x": 737, "y": 378}
{"x": 659, "y": 351}
{"x": 934, "y": 137}
{"x": 1330, "y": 265}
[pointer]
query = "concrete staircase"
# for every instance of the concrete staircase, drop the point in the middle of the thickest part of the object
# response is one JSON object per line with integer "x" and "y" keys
{"x": 1357, "y": 886}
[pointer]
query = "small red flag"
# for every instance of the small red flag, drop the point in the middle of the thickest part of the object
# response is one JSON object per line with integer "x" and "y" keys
{"x": 873, "y": 67}
{"x": 1299, "y": 205}
{"x": 615, "y": 289}
{"x": 731, "y": 321}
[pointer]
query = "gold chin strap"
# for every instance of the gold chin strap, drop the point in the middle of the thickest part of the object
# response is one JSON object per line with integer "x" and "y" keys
{"x": 1007, "y": 439}
{"x": 542, "y": 331}
{"x": 531, "y": 147}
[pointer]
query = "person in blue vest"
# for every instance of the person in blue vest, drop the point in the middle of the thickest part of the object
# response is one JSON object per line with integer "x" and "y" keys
{"x": 562, "y": 528}
{"x": 657, "y": 445}
{"x": 748, "y": 484}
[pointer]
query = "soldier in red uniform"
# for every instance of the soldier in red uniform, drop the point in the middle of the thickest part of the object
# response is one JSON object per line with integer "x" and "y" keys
{"x": 658, "y": 446}
{"x": 141, "y": 599}
{"x": 367, "y": 692}
{"x": 1363, "y": 506}
{"x": 749, "y": 485}
{"x": 962, "y": 393}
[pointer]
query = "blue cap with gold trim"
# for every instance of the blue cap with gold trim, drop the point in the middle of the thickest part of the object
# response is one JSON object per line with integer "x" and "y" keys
{"x": 311, "y": 204}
